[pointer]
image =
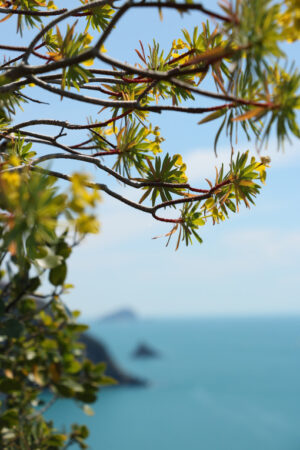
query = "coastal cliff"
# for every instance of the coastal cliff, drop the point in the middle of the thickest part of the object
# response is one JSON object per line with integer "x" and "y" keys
{"x": 97, "y": 352}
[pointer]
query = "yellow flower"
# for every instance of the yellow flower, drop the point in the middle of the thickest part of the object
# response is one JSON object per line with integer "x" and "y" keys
{"x": 51, "y": 5}
{"x": 87, "y": 224}
{"x": 14, "y": 161}
{"x": 11, "y": 179}
{"x": 82, "y": 195}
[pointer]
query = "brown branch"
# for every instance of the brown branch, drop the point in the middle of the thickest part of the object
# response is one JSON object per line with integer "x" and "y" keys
{"x": 58, "y": 76}
{"x": 147, "y": 90}
{"x": 99, "y": 186}
{"x": 186, "y": 109}
{"x": 77, "y": 11}
{"x": 113, "y": 119}
{"x": 128, "y": 182}
{"x": 54, "y": 79}
{"x": 111, "y": 25}
{"x": 28, "y": 12}
{"x": 34, "y": 100}
{"x": 58, "y": 123}
{"x": 109, "y": 72}
{"x": 182, "y": 7}
{"x": 147, "y": 73}
{"x": 163, "y": 219}
{"x": 119, "y": 197}
{"x": 137, "y": 80}
{"x": 179, "y": 201}
{"x": 231, "y": 98}
{"x": 103, "y": 124}
{"x": 63, "y": 16}
{"x": 42, "y": 139}
{"x": 39, "y": 55}
{"x": 205, "y": 194}
{"x": 179, "y": 58}
{"x": 196, "y": 198}
{"x": 104, "y": 91}
{"x": 103, "y": 139}
{"x": 12, "y": 48}
{"x": 79, "y": 97}
{"x": 24, "y": 70}
{"x": 88, "y": 159}
{"x": 110, "y": 152}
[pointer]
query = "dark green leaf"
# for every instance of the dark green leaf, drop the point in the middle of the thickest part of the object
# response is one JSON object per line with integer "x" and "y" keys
{"x": 8, "y": 385}
{"x": 58, "y": 275}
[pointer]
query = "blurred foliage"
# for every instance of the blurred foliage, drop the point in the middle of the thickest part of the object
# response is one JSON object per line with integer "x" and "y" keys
{"x": 40, "y": 355}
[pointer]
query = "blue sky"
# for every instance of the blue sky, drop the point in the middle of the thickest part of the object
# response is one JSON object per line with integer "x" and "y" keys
{"x": 246, "y": 266}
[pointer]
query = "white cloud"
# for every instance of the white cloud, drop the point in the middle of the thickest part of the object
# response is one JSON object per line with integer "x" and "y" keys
{"x": 120, "y": 226}
{"x": 267, "y": 247}
{"x": 201, "y": 163}
{"x": 234, "y": 272}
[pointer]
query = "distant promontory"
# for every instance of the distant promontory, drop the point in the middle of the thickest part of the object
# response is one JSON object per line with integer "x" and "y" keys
{"x": 120, "y": 315}
{"x": 144, "y": 350}
{"x": 97, "y": 352}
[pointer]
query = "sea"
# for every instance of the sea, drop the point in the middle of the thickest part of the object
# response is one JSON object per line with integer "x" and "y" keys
{"x": 219, "y": 384}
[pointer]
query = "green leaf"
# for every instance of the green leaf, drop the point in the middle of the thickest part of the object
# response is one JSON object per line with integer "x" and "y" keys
{"x": 218, "y": 135}
{"x": 74, "y": 367}
{"x": 13, "y": 328}
{"x": 50, "y": 261}
{"x": 8, "y": 385}
{"x": 105, "y": 380}
{"x": 87, "y": 396}
{"x": 58, "y": 274}
{"x": 63, "y": 249}
{"x": 213, "y": 116}
{"x": 56, "y": 441}
{"x": 2, "y": 307}
{"x": 9, "y": 418}
{"x": 199, "y": 222}
{"x": 35, "y": 251}
{"x": 33, "y": 284}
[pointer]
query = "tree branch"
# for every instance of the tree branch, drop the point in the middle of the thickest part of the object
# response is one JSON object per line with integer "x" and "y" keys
{"x": 90, "y": 6}
{"x": 81, "y": 98}
{"x": 99, "y": 186}
{"x": 183, "y": 8}
{"x": 129, "y": 182}
{"x": 218, "y": 96}
{"x": 111, "y": 25}
{"x": 42, "y": 139}
{"x": 28, "y": 12}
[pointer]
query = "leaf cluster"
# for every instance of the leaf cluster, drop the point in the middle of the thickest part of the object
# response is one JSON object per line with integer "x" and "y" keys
{"x": 241, "y": 183}
{"x": 72, "y": 44}
{"x": 135, "y": 145}
{"x": 166, "y": 170}
{"x": 40, "y": 354}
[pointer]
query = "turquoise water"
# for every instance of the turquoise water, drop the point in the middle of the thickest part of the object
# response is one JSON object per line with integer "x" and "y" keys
{"x": 221, "y": 384}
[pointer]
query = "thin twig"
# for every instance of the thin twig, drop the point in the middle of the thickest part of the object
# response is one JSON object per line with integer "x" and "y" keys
{"x": 81, "y": 98}
{"x": 28, "y": 12}
{"x": 63, "y": 16}
{"x": 182, "y": 7}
